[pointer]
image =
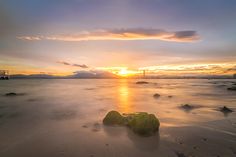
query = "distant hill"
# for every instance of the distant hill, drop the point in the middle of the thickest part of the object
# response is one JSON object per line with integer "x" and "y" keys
{"x": 104, "y": 74}
{"x": 76, "y": 75}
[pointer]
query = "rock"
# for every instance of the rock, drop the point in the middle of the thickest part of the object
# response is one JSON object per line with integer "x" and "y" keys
{"x": 179, "y": 154}
{"x": 170, "y": 96}
{"x": 204, "y": 139}
{"x": 10, "y": 94}
{"x": 225, "y": 109}
{"x": 114, "y": 118}
{"x": 232, "y": 88}
{"x": 187, "y": 107}
{"x": 156, "y": 95}
{"x": 141, "y": 123}
{"x": 14, "y": 94}
{"x": 84, "y": 126}
{"x": 141, "y": 82}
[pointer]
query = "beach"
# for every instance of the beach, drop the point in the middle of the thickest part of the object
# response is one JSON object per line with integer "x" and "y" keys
{"x": 63, "y": 117}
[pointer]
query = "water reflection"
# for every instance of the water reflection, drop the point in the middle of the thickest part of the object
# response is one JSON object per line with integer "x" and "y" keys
{"x": 145, "y": 143}
{"x": 124, "y": 94}
{"x": 142, "y": 143}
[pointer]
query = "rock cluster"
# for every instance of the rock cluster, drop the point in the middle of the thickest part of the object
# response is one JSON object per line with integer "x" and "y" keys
{"x": 141, "y": 123}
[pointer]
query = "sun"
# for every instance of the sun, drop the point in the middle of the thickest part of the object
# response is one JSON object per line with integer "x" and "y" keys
{"x": 123, "y": 72}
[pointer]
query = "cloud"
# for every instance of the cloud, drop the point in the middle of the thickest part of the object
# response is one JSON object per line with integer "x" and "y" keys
{"x": 193, "y": 69}
{"x": 32, "y": 38}
{"x": 72, "y": 64}
{"x": 122, "y": 34}
{"x": 232, "y": 69}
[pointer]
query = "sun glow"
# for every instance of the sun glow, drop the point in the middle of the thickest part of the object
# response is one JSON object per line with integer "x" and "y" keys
{"x": 123, "y": 72}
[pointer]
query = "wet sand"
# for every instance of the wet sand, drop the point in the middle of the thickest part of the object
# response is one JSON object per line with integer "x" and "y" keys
{"x": 61, "y": 123}
{"x": 98, "y": 140}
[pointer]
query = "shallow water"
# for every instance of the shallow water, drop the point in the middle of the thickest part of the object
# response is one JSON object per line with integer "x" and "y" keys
{"x": 61, "y": 117}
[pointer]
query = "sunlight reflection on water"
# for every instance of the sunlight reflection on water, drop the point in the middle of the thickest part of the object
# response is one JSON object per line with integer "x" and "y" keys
{"x": 96, "y": 97}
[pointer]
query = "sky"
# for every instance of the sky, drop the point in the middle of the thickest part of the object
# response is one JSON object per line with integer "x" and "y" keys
{"x": 124, "y": 37}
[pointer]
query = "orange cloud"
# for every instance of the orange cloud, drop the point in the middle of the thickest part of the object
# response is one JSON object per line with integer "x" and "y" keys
{"x": 122, "y": 34}
{"x": 221, "y": 68}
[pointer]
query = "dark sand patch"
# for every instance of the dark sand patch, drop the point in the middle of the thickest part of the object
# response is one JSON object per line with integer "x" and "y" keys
{"x": 63, "y": 114}
{"x": 89, "y": 88}
{"x": 33, "y": 99}
{"x": 85, "y": 126}
{"x": 179, "y": 154}
{"x": 96, "y": 127}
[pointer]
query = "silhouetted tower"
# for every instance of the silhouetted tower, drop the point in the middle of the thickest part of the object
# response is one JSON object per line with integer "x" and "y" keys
{"x": 234, "y": 76}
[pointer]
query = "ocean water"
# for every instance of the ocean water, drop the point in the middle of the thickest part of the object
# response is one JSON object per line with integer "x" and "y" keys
{"x": 53, "y": 116}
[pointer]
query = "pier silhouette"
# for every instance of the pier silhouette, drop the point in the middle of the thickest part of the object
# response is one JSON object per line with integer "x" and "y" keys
{"x": 4, "y": 75}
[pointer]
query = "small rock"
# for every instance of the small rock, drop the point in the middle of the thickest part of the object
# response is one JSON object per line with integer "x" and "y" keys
{"x": 10, "y": 94}
{"x": 84, "y": 126}
{"x": 232, "y": 88}
{"x": 14, "y": 94}
{"x": 204, "y": 139}
{"x": 179, "y": 154}
{"x": 226, "y": 109}
{"x": 156, "y": 95}
{"x": 141, "y": 82}
{"x": 187, "y": 107}
{"x": 170, "y": 96}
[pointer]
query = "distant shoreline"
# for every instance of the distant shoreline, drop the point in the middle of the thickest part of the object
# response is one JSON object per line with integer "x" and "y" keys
{"x": 116, "y": 78}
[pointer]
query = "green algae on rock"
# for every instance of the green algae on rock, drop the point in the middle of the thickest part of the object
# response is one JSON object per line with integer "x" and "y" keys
{"x": 114, "y": 118}
{"x": 144, "y": 124}
{"x": 141, "y": 123}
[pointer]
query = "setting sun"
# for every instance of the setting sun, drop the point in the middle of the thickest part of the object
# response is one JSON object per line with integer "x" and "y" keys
{"x": 123, "y": 72}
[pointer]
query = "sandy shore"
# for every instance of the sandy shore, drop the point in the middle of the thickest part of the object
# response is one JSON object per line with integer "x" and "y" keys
{"x": 216, "y": 138}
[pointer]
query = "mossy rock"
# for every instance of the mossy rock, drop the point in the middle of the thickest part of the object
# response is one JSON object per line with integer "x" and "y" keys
{"x": 141, "y": 123}
{"x": 114, "y": 118}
